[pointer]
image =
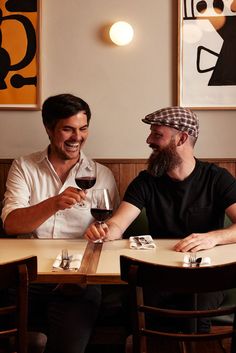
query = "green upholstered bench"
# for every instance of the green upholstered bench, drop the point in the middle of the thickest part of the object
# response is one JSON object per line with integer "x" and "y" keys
{"x": 138, "y": 227}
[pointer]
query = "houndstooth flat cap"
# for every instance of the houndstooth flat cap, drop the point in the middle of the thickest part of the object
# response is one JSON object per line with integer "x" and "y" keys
{"x": 179, "y": 118}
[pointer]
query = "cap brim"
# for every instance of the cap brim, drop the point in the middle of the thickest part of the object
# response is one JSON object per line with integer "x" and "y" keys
{"x": 147, "y": 121}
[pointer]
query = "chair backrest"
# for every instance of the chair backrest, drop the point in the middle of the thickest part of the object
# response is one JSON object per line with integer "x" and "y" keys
{"x": 143, "y": 277}
{"x": 14, "y": 279}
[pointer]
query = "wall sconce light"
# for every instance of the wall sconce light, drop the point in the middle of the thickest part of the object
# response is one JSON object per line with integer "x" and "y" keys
{"x": 121, "y": 33}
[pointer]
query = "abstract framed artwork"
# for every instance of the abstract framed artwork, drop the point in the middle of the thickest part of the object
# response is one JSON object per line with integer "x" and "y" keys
{"x": 20, "y": 54}
{"x": 207, "y": 54}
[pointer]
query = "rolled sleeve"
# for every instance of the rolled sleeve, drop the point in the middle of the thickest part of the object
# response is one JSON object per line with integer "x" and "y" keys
{"x": 17, "y": 191}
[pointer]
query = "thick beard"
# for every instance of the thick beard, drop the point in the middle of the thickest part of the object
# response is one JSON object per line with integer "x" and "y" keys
{"x": 164, "y": 160}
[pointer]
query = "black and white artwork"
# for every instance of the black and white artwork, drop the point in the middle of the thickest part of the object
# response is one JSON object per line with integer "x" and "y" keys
{"x": 207, "y": 54}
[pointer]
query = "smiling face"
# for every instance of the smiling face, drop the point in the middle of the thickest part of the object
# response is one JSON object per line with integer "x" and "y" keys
{"x": 68, "y": 137}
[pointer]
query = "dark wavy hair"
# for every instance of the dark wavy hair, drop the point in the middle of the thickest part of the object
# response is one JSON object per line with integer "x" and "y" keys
{"x": 63, "y": 106}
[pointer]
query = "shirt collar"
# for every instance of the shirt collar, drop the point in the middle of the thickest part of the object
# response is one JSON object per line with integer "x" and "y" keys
{"x": 84, "y": 161}
{"x": 43, "y": 155}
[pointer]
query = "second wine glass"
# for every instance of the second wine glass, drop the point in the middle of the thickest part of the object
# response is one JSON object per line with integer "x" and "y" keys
{"x": 101, "y": 205}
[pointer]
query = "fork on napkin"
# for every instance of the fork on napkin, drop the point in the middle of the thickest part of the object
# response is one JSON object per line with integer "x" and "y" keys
{"x": 142, "y": 242}
{"x": 189, "y": 262}
{"x": 74, "y": 262}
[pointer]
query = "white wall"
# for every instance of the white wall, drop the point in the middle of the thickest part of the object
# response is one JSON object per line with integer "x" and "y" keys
{"x": 121, "y": 84}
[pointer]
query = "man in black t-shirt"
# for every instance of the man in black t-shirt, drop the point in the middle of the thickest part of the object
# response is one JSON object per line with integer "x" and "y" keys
{"x": 184, "y": 198}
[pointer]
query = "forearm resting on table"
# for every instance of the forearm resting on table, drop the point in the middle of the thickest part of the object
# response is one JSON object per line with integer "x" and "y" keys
{"x": 226, "y": 235}
{"x": 203, "y": 241}
{"x": 26, "y": 220}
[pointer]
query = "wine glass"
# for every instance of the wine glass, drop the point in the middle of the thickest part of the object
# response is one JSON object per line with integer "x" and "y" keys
{"x": 86, "y": 178}
{"x": 101, "y": 206}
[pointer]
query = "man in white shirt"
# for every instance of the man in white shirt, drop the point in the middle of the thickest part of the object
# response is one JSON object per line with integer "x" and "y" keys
{"x": 37, "y": 197}
{"x": 42, "y": 198}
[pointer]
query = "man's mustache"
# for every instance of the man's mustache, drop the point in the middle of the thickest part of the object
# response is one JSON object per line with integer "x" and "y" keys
{"x": 154, "y": 146}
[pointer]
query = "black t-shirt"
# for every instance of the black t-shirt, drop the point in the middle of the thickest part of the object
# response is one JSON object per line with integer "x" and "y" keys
{"x": 176, "y": 209}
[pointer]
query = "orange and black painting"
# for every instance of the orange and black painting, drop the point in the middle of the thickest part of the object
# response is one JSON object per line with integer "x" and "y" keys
{"x": 19, "y": 50}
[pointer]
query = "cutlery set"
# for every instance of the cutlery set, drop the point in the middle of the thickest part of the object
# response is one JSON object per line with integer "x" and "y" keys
{"x": 65, "y": 260}
{"x": 190, "y": 260}
{"x": 196, "y": 262}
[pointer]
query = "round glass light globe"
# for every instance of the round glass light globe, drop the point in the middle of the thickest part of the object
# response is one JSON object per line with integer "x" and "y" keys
{"x": 121, "y": 33}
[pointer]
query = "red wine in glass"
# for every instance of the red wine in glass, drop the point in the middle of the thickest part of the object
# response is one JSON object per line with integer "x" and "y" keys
{"x": 85, "y": 182}
{"x": 86, "y": 178}
{"x": 100, "y": 214}
{"x": 101, "y": 207}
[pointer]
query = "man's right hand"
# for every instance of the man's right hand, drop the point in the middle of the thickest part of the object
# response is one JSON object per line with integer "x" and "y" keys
{"x": 97, "y": 232}
{"x": 69, "y": 197}
{"x": 27, "y": 219}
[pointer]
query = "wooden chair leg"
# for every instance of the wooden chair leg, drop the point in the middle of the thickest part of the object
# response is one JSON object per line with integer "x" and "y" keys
{"x": 129, "y": 344}
{"x": 182, "y": 347}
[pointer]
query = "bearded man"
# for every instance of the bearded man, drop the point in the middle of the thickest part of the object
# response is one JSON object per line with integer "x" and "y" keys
{"x": 184, "y": 197}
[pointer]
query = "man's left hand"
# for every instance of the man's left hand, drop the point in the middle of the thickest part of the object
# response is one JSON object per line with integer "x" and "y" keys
{"x": 196, "y": 242}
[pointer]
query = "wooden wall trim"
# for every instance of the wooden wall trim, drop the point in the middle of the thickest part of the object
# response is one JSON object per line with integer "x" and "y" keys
{"x": 135, "y": 160}
{"x": 144, "y": 160}
{"x": 121, "y": 160}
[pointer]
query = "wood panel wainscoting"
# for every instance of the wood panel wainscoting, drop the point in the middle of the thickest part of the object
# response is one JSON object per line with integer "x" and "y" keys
{"x": 124, "y": 170}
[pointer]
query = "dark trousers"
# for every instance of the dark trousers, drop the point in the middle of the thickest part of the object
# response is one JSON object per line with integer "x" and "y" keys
{"x": 66, "y": 313}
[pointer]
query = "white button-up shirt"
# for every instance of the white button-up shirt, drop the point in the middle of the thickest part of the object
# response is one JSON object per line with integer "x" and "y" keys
{"x": 32, "y": 179}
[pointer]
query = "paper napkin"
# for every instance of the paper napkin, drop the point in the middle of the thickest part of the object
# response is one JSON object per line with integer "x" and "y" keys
{"x": 204, "y": 261}
{"x": 142, "y": 242}
{"x": 75, "y": 262}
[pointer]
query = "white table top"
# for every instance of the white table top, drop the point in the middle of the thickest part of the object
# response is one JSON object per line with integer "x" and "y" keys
{"x": 108, "y": 267}
{"x": 46, "y": 251}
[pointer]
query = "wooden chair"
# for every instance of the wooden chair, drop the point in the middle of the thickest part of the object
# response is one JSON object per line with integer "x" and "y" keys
{"x": 142, "y": 276}
{"x": 16, "y": 276}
